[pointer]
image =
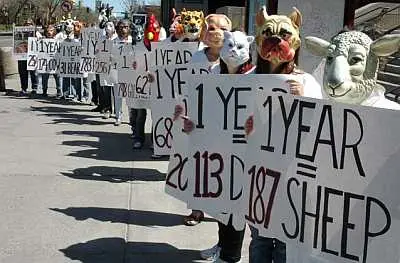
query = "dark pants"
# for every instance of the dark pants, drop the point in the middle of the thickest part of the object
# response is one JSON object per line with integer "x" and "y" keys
{"x": 95, "y": 90}
{"x": 137, "y": 118}
{"x": 105, "y": 99}
{"x": 24, "y": 74}
{"x": 266, "y": 250}
{"x": 45, "y": 82}
{"x": 230, "y": 241}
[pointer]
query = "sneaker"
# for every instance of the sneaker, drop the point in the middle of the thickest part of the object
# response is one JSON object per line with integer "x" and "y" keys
{"x": 106, "y": 115}
{"x": 156, "y": 156}
{"x": 117, "y": 122}
{"x": 22, "y": 93}
{"x": 218, "y": 260}
{"x": 33, "y": 92}
{"x": 137, "y": 145}
{"x": 211, "y": 253}
{"x": 97, "y": 109}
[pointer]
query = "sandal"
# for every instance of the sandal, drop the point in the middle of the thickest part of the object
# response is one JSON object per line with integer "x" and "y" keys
{"x": 194, "y": 218}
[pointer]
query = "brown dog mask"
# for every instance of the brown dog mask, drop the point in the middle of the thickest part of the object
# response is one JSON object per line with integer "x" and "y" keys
{"x": 277, "y": 36}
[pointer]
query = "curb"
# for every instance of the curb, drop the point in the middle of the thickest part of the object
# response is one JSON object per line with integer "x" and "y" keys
{"x": 6, "y": 33}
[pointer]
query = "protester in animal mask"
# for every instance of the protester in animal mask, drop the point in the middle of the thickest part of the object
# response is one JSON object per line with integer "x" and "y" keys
{"x": 213, "y": 38}
{"x": 278, "y": 43}
{"x": 105, "y": 84}
{"x": 123, "y": 29}
{"x": 82, "y": 95}
{"x": 50, "y": 33}
{"x": 152, "y": 32}
{"x": 24, "y": 73}
{"x": 176, "y": 28}
{"x": 138, "y": 116}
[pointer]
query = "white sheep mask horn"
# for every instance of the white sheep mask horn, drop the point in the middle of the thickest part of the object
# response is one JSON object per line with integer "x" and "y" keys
{"x": 352, "y": 63}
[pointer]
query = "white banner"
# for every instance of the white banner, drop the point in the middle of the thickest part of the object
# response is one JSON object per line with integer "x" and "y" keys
{"x": 69, "y": 59}
{"x": 132, "y": 81}
{"x": 168, "y": 79}
{"x": 103, "y": 59}
{"x": 169, "y": 89}
{"x": 207, "y": 166}
{"x": 32, "y": 56}
{"x": 20, "y": 41}
{"x": 47, "y": 62}
{"x": 324, "y": 178}
{"x": 89, "y": 38}
{"x": 164, "y": 54}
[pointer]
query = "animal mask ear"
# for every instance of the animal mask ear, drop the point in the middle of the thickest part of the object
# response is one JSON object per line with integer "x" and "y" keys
{"x": 386, "y": 45}
{"x": 317, "y": 46}
{"x": 261, "y": 16}
{"x": 201, "y": 15}
{"x": 250, "y": 39}
{"x": 183, "y": 10}
{"x": 173, "y": 14}
{"x": 296, "y": 17}
{"x": 227, "y": 34}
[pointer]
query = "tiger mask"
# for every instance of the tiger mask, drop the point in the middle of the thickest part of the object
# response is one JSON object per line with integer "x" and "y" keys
{"x": 193, "y": 22}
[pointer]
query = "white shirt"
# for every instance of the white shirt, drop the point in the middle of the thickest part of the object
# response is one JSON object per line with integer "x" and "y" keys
{"x": 200, "y": 57}
{"x": 377, "y": 99}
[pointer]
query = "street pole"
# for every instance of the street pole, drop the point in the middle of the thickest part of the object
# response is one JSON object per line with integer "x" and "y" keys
{"x": 2, "y": 74}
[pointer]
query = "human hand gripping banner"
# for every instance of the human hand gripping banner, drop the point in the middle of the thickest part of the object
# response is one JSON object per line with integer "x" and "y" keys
{"x": 323, "y": 177}
{"x": 207, "y": 166}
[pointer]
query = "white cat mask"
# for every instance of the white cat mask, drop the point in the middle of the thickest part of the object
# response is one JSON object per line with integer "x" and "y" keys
{"x": 236, "y": 49}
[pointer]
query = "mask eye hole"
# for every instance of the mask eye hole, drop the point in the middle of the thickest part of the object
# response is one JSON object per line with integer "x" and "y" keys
{"x": 267, "y": 31}
{"x": 329, "y": 59}
{"x": 355, "y": 60}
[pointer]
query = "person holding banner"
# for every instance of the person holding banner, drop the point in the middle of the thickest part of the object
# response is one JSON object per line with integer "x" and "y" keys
{"x": 124, "y": 37}
{"x": 102, "y": 95}
{"x": 82, "y": 95}
{"x": 278, "y": 52}
{"x": 138, "y": 116}
{"x": 23, "y": 72}
{"x": 50, "y": 33}
{"x": 213, "y": 37}
{"x": 234, "y": 59}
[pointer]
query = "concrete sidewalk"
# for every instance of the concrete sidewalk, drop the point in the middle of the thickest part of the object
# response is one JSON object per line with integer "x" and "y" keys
{"x": 73, "y": 190}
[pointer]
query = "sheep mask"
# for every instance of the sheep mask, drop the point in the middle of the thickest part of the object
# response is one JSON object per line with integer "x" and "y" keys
{"x": 352, "y": 63}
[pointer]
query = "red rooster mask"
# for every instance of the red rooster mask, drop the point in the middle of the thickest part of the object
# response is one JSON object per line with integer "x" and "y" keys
{"x": 151, "y": 31}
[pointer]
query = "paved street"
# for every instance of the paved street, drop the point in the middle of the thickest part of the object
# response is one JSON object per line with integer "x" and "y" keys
{"x": 73, "y": 190}
{"x": 5, "y": 41}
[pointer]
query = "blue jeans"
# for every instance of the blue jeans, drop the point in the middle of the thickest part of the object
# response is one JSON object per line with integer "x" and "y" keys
{"x": 266, "y": 250}
{"x": 85, "y": 93}
{"x": 68, "y": 87}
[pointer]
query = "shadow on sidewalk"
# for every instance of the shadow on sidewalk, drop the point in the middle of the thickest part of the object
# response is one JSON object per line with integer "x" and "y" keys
{"x": 109, "y": 147}
{"x": 115, "y": 174}
{"x": 117, "y": 250}
{"x": 124, "y": 216}
{"x": 70, "y": 115}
